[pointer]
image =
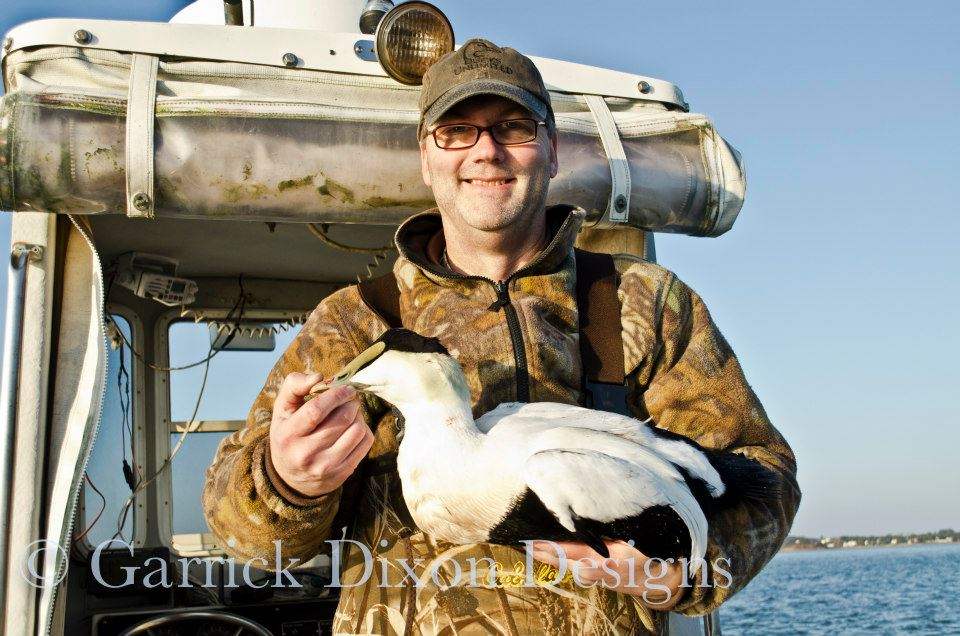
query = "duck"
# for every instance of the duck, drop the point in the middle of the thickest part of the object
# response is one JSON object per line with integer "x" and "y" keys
{"x": 543, "y": 470}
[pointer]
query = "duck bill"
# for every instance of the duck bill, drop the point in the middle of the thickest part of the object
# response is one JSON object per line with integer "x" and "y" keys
{"x": 344, "y": 377}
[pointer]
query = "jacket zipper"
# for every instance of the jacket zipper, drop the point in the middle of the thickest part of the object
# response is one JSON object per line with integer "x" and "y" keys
{"x": 516, "y": 338}
{"x": 66, "y": 535}
{"x": 503, "y": 301}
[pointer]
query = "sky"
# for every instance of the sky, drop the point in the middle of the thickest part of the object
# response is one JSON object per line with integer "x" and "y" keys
{"x": 838, "y": 286}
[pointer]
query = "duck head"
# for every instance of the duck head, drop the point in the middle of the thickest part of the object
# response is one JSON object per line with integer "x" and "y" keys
{"x": 406, "y": 369}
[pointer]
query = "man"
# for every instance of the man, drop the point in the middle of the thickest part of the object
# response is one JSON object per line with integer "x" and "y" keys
{"x": 492, "y": 275}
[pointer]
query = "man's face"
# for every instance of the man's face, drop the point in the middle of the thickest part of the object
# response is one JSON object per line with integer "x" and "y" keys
{"x": 489, "y": 186}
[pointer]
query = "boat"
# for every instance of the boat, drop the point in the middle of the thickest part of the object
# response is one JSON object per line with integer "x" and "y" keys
{"x": 165, "y": 174}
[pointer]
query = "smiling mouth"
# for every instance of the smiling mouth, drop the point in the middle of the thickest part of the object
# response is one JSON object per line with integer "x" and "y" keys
{"x": 490, "y": 182}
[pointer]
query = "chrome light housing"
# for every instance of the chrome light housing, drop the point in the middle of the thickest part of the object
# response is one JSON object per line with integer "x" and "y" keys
{"x": 373, "y": 12}
{"x": 411, "y": 37}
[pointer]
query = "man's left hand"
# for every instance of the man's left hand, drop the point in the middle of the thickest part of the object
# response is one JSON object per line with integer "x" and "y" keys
{"x": 656, "y": 582}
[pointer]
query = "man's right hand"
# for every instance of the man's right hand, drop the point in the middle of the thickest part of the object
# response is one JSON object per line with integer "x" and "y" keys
{"x": 316, "y": 445}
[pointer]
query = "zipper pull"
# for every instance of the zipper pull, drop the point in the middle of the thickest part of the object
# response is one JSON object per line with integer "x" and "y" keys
{"x": 503, "y": 297}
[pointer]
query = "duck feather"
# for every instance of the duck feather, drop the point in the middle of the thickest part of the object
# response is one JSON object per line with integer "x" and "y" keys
{"x": 531, "y": 417}
{"x": 571, "y": 470}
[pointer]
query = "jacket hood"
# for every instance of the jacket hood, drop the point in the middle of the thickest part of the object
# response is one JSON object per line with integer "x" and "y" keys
{"x": 420, "y": 240}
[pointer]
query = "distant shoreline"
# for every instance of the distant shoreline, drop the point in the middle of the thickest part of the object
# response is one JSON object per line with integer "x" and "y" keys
{"x": 796, "y": 543}
{"x": 819, "y": 547}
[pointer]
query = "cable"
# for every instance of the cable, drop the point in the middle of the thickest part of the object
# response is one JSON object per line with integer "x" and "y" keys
{"x": 123, "y": 382}
{"x": 379, "y": 253}
{"x": 140, "y": 485}
{"x": 183, "y": 311}
{"x": 103, "y": 506}
{"x": 130, "y": 475}
{"x": 155, "y": 367}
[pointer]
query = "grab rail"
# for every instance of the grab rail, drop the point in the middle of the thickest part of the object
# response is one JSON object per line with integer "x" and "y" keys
{"x": 16, "y": 284}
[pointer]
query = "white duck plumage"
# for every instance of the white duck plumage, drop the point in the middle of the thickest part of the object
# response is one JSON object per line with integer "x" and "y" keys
{"x": 467, "y": 481}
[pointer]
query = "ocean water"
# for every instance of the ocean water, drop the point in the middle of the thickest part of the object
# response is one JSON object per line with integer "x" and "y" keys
{"x": 902, "y": 590}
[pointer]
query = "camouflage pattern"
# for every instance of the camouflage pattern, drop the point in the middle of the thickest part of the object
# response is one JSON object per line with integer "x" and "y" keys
{"x": 680, "y": 371}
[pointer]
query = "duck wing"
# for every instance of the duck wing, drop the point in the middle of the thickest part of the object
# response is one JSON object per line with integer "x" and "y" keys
{"x": 553, "y": 414}
{"x": 523, "y": 419}
{"x": 590, "y": 480}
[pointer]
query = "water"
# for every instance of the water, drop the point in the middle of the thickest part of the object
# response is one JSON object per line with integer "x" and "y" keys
{"x": 914, "y": 589}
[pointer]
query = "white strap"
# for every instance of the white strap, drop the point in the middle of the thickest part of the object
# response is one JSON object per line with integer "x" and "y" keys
{"x": 141, "y": 101}
{"x": 618, "y": 209}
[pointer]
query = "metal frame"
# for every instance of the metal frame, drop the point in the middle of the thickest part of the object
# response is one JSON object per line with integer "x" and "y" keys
{"x": 139, "y": 413}
{"x": 479, "y": 130}
{"x": 160, "y": 448}
{"x": 301, "y": 48}
{"x": 138, "y": 420}
{"x": 20, "y": 255}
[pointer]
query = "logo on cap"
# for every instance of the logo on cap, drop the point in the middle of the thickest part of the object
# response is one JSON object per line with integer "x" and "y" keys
{"x": 478, "y": 54}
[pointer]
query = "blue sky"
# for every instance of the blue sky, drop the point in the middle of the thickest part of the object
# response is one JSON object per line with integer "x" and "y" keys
{"x": 838, "y": 286}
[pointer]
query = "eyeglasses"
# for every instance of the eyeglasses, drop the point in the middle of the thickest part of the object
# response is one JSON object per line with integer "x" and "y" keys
{"x": 509, "y": 132}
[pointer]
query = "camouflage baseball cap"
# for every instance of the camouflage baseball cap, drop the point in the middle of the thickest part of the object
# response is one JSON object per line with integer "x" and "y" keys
{"x": 480, "y": 67}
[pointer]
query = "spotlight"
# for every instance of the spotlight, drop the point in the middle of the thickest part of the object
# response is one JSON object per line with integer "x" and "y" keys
{"x": 411, "y": 37}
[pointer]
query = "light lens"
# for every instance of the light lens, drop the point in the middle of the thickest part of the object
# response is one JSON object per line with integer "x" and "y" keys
{"x": 410, "y": 38}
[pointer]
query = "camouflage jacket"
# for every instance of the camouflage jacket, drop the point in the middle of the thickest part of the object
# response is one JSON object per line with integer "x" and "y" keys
{"x": 680, "y": 371}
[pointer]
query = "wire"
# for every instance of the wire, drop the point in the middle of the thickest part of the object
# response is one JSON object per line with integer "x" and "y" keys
{"x": 156, "y": 367}
{"x": 183, "y": 312}
{"x": 123, "y": 388}
{"x": 123, "y": 382}
{"x": 139, "y": 485}
{"x": 379, "y": 253}
{"x": 130, "y": 474}
{"x": 103, "y": 506}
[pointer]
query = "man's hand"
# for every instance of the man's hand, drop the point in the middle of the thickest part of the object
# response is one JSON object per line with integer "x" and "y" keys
{"x": 657, "y": 584}
{"x": 316, "y": 445}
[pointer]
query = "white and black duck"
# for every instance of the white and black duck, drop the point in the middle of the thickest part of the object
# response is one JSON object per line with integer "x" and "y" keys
{"x": 543, "y": 470}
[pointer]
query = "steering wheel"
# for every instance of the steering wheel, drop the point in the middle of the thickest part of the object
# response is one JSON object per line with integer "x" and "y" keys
{"x": 243, "y": 625}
